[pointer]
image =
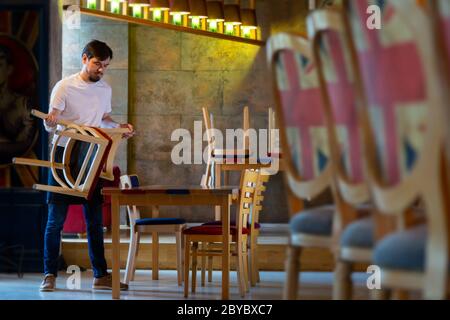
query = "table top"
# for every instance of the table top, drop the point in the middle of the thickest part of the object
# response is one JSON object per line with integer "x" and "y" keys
{"x": 173, "y": 190}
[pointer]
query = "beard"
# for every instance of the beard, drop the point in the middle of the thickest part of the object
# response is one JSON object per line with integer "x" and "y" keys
{"x": 94, "y": 78}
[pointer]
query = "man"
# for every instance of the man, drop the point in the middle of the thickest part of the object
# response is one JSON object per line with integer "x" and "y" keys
{"x": 85, "y": 99}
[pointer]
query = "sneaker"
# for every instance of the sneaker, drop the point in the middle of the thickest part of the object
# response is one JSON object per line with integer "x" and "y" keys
{"x": 105, "y": 283}
{"x": 49, "y": 283}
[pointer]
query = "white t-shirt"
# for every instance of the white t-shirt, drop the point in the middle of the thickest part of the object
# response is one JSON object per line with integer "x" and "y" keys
{"x": 80, "y": 102}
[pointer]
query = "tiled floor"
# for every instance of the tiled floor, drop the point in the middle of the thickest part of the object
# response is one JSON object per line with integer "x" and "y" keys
{"x": 314, "y": 285}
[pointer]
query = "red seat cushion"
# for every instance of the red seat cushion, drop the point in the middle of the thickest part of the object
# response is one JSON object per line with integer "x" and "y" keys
{"x": 232, "y": 223}
{"x": 212, "y": 230}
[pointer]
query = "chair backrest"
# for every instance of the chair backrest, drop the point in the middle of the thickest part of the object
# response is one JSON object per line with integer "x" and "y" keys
{"x": 247, "y": 194}
{"x": 393, "y": 71}
{"x": 261, "y": 186}
{"x": 246, "y": 127}
{"x": 270, "y": 127}
{"x": 208, "y": 120}
{"x": 129, "y": 182}
{"x": 397, "y": 70}
{"x": 331, "y": 51}
{"x": 300, "y": 116}
{"x": 336, "y": 75}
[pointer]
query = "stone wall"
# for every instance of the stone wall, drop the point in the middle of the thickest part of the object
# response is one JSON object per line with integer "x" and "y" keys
{"x": 162, "y": 78}
{"x": 115, "y": 34}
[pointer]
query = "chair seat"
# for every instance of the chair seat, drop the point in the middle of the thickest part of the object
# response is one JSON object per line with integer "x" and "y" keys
{"x": 159, "y": 221}
{"x": 403, "y": 250}
{"x": 314, "y": 221}
{"x": 212, "y": 230}
{"x": 359, "y": 234}
{"x": 232, "y": 223}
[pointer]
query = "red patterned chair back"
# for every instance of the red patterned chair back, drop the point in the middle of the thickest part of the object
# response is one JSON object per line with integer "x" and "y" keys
{"x": 300, "y": 113}
{"x": 395, "y": 86}
{"x": 336, "y": 71}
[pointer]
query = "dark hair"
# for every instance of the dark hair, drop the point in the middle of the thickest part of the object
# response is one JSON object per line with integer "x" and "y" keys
{"x": 97, "y": 49}
{"x": 5, "y": 54}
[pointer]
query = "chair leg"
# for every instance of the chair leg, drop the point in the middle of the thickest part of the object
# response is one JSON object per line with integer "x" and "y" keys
{"x": 194, "y": 266}
{"x": 131, "y": 257}
{"x": 210, "y": 268}
{"x": 187, "y": 253}
{"x": 240, "y": 270}
{"x": 203, "y": 264}
{"x": 178, "y": 244}
{"x": 292, "y": 269}
{"x": 155, "y": 256}
{"x": 342, "y": 286}
{"x": 133, "y": 267}
{"x": 245, "y": 268}
{"x": 253, "y": 262}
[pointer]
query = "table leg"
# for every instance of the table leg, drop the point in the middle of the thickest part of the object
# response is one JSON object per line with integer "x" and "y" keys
{"x": 218, "y": 183}
{"x": 115, "y": 228}
{"x": 155, "y": 247}
{"x": 226, "y": 178}
{"x": 226, "y": 248}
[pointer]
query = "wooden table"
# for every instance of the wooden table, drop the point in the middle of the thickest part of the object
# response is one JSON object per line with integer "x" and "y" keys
{"x": 171, "y": 196}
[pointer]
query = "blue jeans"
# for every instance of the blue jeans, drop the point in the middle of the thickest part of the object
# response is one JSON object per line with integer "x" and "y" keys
{"x": 56, "y": 216}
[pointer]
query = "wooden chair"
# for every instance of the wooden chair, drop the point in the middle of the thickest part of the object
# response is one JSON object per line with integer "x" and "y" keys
{"x": 304, "y": 141}
{"x": 219, "y": 152}
{"x": 396, "y": 73}
{"x": 353, "y": 229}
{"x": 96, "y": 149}
{"x": 213, "y": 234}
{"x": 254, "y": 228}
{"x": 154, "y": 225}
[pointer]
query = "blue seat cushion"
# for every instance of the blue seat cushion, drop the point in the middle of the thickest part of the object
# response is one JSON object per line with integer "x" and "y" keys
{"x": 314, "y": 221}
{"x": 359, "y": 234}
{"x": 403, "y": 250}
{"x": 159, "y": 221}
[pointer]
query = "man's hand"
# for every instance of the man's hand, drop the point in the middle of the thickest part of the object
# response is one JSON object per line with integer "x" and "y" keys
{"x": 50, "y": 121}
{"x": 130, "y": 127}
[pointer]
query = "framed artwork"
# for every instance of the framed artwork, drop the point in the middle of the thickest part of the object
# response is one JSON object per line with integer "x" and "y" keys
{"x": 23, "y": 86}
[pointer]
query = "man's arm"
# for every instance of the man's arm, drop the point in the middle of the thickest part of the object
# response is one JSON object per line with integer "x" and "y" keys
{"x": 108, "y": 122}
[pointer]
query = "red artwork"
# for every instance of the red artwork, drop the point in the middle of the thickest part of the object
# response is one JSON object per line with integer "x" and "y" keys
{"x": 18, "y": 87}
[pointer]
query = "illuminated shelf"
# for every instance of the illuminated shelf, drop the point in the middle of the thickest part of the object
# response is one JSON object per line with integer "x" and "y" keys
{"x": 151, "y": 23}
